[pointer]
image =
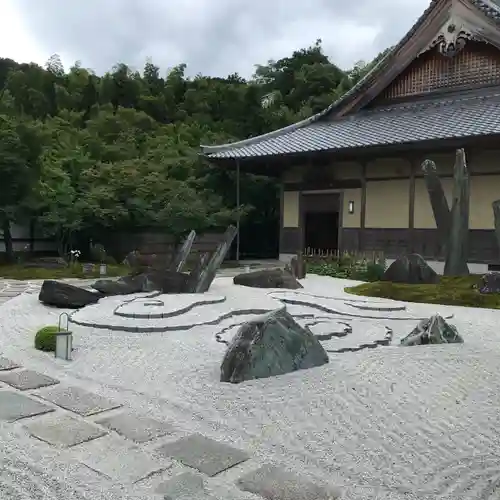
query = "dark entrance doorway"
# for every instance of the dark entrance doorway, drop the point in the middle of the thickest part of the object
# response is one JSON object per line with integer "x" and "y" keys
{"x": 321, "y": 219}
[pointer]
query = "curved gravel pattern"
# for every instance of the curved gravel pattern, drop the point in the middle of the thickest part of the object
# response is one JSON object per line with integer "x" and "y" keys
{"x": 393, "y": 420}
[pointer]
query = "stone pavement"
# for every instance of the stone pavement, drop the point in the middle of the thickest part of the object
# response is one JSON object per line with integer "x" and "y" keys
{"x": 137, "y": 451}
{"x": 131, "y": 450}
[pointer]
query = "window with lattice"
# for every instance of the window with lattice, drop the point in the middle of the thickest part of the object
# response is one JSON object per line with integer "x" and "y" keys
{"x": 477, "y": 65}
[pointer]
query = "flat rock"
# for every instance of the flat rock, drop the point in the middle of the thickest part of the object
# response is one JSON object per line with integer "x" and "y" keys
{"x": 206, "y": 455}
{"x": 434, "y": 330}
{"x": 78, "y": 400}
{"x": 118, "y": 461}
{"x": 66, "y": 296}
{"x": 138, "y": 429}
{"x": 490, "y": 283}
{"x": 271, "y": 345}
{"x": 185, "y": 486}
{"x": 15, "y": 406}
{"x": 268, "y": 278}
{"x": 27, "y": 379}
{"x": 411, "y": 269}
{"x": 122, "y": 286}
{"x": 64, "y": 431}
{"x": 7, "y": 364}
{"x": 275, "y": 483}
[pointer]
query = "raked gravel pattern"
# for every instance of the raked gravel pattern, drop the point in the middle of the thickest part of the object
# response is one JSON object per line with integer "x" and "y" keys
{"x": 388, "y": 423}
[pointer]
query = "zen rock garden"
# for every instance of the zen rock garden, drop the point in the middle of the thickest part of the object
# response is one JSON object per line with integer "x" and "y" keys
{"x": 242, "y": 353}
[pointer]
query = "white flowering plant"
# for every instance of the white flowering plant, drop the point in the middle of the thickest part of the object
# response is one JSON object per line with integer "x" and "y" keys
{"x": 74, "y": 255}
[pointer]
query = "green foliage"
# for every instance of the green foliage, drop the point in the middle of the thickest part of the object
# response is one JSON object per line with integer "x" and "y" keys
{"x": 347, "y": 266}
{"x": 83, "y": 154}
{"x": 460, "y": 291}
{"x": 19, "y": 272}
{"x": 45, "y": 339}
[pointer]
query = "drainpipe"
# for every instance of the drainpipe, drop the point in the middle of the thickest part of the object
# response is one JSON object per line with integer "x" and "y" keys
{"x": 238, "y": 207}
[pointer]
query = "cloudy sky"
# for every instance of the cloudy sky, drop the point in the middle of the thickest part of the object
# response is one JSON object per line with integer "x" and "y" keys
{"x": 214, "y": 37}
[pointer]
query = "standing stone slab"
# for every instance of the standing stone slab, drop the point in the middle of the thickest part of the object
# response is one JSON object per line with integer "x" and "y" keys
{"x": 207, "y": 275}
{"x": 138, "y": 429}
{"x": 118, "y": 461}
{"x": 7, "y": 364}
{"x": 438, "y": 200}
{"x": 275, "y": 483}
{"x": 206, "y": 455}
{"x": 457, "y": 249}
{"x": 27, "y": 379}
{"x": 78, "y": 401}
{"x": 15, "y": 406}
{"x": 496, "y": 218}
{"x": 64, "y": 431}
{"x": 182, "y": 255}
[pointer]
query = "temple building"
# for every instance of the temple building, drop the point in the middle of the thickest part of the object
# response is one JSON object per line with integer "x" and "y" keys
{"x": 351, "y": 175}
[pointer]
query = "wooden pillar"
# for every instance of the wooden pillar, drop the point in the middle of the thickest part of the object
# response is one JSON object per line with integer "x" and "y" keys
{"x": 238, "y": 208}
{"x": 411, "y": 210}
{"x": 362, "y": 223}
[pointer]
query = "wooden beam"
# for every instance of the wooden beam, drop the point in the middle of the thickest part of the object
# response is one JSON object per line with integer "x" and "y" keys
{"x": 411, "y": 205}
{"x": 362, "y": 216}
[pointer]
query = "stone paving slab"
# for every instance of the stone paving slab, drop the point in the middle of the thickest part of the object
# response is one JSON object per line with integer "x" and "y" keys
{"x": 275, "y": 483}
{"x": 15, "y": 406}
{"x": 78, "y": 400}
{"x": 119, "y": 461}
{"x": 185, "y": 486}
{"x": 7, "y": 364}
{"x": 138, "y": 429}
{"x": 27, "y": 379}
{"x": 64, "y": 431}
{"x": 206, "y": 455}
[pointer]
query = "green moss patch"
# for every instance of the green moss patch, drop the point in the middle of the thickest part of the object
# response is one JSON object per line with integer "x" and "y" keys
{"x": 45, "y": 338}
{"x": 19, "y": 272}
{"x": 459, "y": 291}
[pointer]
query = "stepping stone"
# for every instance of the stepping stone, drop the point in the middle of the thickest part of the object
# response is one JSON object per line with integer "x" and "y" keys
{"x": 187, "y": 485}
{"x": 78, "y": 401}
{"x": 64, "y": 431}
{"x": 7, "y": 364}
{"x": 206, "y": 455}
{"x": 15, "y": 406}
{"x": 139, "y": 429}
{"x": 27, "y": 379}
{"x": 119, "y": 462}
{"x": 275, "y": 483}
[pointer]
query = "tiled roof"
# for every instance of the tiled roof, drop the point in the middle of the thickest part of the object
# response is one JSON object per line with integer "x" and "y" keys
{"x": 463, "y": 115}
{"x": 490, "y": 8}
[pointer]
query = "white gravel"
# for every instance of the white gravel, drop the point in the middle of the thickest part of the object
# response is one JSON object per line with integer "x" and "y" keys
{"x": 393, "y": 420}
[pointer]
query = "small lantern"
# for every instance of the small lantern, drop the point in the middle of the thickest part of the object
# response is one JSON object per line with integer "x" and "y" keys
{"x": 64, "y": 340}
{"x": 351, "y": 207}
{"x": 103, "y": 270}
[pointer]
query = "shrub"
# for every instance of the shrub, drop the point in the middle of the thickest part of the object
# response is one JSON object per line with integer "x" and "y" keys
{"x": 348, "y": 268}
{"x": 45, "y": 338}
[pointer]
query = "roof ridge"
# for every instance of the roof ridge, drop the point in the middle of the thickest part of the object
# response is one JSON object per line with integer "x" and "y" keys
{"x": 246, "y": 142}
{"x": 489, "y": 9}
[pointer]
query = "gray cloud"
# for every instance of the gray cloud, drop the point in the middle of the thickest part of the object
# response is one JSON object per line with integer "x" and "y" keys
{"x": 215, "y": 37}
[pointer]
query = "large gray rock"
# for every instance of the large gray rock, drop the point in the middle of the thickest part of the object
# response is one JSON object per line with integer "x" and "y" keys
{"x": 122, "y": 286}
{"x": 490, "y": 283}
{"x": 63, "y": 295}
{"x": 270, "y": 345}
{"x": 411, "y": 269}
{"x": 268, "y": 278}
{"x": 434, "y": 330}
{"x": 164, "y": 281}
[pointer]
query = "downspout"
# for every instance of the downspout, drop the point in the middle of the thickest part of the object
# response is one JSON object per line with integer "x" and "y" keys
{"x": 238, "y": 208}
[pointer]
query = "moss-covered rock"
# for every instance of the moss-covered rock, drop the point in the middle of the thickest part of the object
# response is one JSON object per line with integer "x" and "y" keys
{"x": 453, "y": 291}
{"x": 45, "y": 338}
